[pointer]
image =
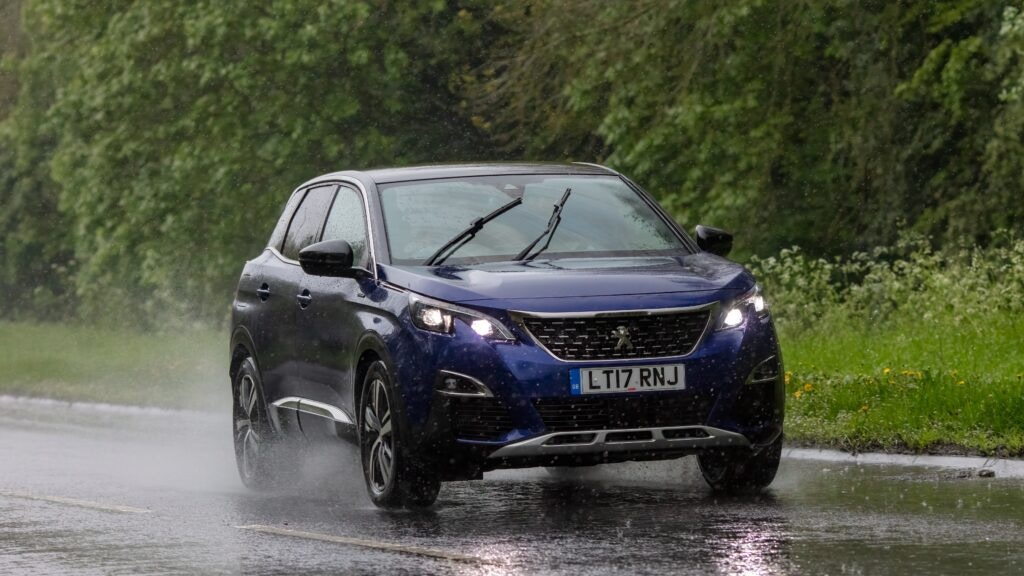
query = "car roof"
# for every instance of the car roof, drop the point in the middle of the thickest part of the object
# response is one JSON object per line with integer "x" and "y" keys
{"x": 430, "y": 172}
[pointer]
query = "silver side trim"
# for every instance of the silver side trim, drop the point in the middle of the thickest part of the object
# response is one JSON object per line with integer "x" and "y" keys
{"x": 314, "y": 408}
{"x": 538, "y": 446}
{"x": 713, "y": 311}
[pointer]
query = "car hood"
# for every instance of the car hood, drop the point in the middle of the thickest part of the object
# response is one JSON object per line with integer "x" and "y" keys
{"x": 694, "y": 278}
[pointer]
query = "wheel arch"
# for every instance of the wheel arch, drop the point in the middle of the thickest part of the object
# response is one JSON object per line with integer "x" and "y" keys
{"x": 371, "y": 348}
{"x": 241, "y": 347}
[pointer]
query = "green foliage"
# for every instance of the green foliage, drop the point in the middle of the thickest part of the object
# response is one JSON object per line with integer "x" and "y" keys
{"x": 152, "y": 144}
{"x": 827, "y": 125}
{"x": 904, "y": 347}
{"x": 184, "y": 127}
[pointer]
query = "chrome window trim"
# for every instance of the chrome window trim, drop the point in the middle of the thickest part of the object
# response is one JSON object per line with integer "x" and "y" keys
{"x": 713, "y": 307}
{"x": 366, "y": 214}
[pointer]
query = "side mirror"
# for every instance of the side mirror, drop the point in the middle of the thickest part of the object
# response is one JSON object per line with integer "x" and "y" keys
{"x": 714, "y": 240}
{"x": 329, "y": 258}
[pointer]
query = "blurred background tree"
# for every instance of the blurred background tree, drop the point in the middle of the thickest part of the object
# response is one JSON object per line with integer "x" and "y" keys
{"x": 146, "y": 148}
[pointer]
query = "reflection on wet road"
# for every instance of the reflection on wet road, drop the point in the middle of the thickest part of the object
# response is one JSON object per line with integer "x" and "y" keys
{"x": 819, "y": 517}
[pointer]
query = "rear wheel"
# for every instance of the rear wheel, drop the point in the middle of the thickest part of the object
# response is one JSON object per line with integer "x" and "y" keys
{"x": 253, "y": 434}
{"x": 732, "y": 470}
{"x": 394, "y": 477}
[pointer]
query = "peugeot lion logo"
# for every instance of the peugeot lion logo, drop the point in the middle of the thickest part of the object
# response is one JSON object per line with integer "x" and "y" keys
{"x": 622, "y": 333}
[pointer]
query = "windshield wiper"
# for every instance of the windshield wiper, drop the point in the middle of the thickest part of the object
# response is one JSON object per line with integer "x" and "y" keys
{"x": 549, "y": 231}
{"x": 452, "y": 246}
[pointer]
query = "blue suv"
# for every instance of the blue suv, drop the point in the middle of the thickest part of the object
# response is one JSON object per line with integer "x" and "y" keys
{"x": 451, "y": 320}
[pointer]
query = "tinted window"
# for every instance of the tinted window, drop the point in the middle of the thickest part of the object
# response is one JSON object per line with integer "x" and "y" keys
{"x": 346, "y": 222}
{"x": 277, "y": 237}
{"x": 308, "y": 221}
{"x": 602, "y": 217}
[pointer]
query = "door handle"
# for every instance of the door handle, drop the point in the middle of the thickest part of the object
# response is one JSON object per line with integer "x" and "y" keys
{"x": 305, "y": 299}
{"x": 263, "y": 292}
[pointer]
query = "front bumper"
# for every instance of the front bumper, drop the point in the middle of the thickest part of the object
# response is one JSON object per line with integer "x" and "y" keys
{"x": 735, "y": 411}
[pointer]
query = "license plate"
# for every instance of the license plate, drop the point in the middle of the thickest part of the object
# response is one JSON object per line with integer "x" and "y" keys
{"x": 584, "y": 381}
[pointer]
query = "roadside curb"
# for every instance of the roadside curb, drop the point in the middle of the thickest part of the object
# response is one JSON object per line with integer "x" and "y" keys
{"x": 1002, "y": 467}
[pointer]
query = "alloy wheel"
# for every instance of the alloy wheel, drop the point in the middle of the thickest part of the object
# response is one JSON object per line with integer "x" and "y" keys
{"x": 377, "y": 427}
{"x": 247, "y": 426}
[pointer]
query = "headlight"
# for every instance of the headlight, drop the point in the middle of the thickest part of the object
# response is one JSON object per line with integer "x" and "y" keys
{"x": 751, "y": 304}
{"x": 437, "y": 316}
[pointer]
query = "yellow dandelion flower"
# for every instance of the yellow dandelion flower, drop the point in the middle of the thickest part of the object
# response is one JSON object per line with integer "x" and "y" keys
{"x": 960, "y": 383}
{"x": 864, "y": 408}
{"x": 808, "y": 387}
{"x": 789, "y": 376}
{"x": 798, "y": 394}
{"x": 886, "y": 371}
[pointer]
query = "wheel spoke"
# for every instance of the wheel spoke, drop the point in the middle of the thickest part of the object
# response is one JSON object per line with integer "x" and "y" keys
{"x": 378, "y": 388}
{"x": 243, "y": 395}
{"x": 250, "y": 408}
{"x": 385, "y": 428}
{"x": 374, "y": 464}
{"x": 385, "y": 471}
{"x": 370, "y": 418}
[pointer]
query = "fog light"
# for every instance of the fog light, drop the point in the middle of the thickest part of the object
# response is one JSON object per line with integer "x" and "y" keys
{"x": 766, "y": 371}
{"x": 455, "y": 384}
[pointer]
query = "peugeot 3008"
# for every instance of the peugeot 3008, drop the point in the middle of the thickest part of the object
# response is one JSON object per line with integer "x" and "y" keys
{"x": 450, "y": 320}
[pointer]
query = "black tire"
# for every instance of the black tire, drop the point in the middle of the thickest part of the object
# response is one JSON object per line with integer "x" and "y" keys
{"x": 738, "y": 471}
{"x": 394, "y": 477}
{"x": 254, "y": 436}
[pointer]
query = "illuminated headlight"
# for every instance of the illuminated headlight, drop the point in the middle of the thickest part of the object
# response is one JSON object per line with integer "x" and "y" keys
{"x": 751, "y": 304}
{"x": 437, "y": 316}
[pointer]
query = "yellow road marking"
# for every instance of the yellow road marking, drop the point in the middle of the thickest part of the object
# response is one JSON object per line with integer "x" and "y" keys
{"x": 75, "y": 502}
{"x": 372, "y": 544}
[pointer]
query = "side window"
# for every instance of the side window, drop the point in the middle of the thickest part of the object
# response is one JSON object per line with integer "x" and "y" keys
{"x": 347, "y": 222}
{"x": 308, "y": 221}
{"x": 277, "y": 237}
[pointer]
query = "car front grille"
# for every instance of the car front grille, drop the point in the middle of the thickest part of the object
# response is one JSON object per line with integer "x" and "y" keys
{"x": 600, "y": 337}
{"x": 652, "y": 410}
{"x": 480, "y": 418}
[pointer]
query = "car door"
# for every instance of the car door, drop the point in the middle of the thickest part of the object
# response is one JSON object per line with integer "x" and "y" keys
{"x": 281, "y": 297}
{"x": 330, "y": 326}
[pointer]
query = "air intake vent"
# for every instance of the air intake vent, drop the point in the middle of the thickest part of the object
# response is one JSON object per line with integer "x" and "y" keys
{"x": 565, "y": 414}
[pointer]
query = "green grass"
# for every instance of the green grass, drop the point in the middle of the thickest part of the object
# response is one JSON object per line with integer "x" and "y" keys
{"x": 186, "y": 370}
{"x": 941, "y": 385}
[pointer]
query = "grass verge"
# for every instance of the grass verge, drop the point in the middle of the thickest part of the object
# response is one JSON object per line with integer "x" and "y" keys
{"x": 918, "y": 386}
{"x": 88, "y": 364}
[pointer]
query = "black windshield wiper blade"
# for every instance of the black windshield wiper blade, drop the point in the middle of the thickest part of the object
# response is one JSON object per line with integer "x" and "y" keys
{"x": 549, "y": 231}
{"x": 466, "y": 235}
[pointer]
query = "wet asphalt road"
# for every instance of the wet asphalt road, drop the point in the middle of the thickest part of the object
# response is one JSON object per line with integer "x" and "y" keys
{"x": 156, "y": 492}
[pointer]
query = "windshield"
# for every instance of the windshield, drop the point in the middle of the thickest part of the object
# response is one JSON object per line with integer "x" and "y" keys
{"x": 604, "y": 217}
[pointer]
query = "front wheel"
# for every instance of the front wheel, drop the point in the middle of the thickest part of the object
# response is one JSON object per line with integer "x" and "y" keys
{"x": 394, "y": 477}
{"x": 731, "y": 470}
{"x": 253, "y": 433}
